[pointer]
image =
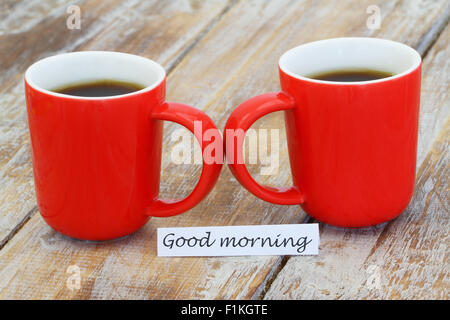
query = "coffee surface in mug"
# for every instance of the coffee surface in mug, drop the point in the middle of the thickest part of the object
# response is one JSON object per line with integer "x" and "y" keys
{"x": 351, "y": 75}
{"x": 102, "y": 88}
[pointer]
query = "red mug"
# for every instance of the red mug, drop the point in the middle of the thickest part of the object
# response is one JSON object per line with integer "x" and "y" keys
{"x": 352, "y": 145}
{"x": 97, "y": 161}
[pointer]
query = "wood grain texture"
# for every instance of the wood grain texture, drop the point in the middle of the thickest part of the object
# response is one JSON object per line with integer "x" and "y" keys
{"x": 407, "y": 258}
{"x": 212, "y": 270}
{"x": 404, "y": 259}
{"x": 232, "y": 60}
{"x": 35, "y": 29}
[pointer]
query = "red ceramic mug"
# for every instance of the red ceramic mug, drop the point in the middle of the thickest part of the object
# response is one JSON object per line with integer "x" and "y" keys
{"x": 352, "y": 145}
{"x": 97, "y": 160}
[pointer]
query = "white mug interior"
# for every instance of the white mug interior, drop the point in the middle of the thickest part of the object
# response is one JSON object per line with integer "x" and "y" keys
{"x": 349, "y": 53}
{"x": 74, "y": 68}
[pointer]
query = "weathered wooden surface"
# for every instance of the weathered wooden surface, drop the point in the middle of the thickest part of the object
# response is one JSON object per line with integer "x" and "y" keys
{"x": 218, "y": 54}
{"x": 407, "y": 258}
{"x": 32, "y": 30}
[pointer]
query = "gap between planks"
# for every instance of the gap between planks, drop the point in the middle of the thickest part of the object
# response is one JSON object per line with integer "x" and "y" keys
{"x": 265, "y": 285}
{"x": 423, "y": 47}
{"x": 18, "y": 226}
{"x": 279, "y": 264}
{"x": 433, "y": 34}
{"x": 169, "y": 70}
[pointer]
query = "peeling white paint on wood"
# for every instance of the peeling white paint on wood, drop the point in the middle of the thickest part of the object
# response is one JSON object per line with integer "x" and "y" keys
{"x": 16, "y": 181}
{"x": 234, "y": 60}
{"x": 403, "y": 259}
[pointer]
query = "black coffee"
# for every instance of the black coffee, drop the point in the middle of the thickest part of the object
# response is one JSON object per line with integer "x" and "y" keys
{"x": 351, "y": 75}
{"x": 103, "y": 88}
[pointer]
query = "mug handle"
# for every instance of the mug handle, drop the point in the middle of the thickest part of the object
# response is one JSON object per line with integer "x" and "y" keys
{"x": 241, "y": 119}
{"x": 186, "y": 116}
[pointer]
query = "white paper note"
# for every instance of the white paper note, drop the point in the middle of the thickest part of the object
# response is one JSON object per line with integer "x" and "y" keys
{"x": 285, "y": 239}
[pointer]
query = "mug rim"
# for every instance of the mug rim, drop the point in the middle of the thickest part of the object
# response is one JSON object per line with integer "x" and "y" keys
{"x": 416, "y": 64}
{"x": 161, "y": 74}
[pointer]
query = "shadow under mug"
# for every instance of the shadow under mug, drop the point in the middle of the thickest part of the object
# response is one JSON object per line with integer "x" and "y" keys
{"x": 97, "y": 161}
{"x": 352, "y": 145}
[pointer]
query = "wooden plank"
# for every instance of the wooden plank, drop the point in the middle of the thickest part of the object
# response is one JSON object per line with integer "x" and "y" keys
{"x": 414, "y": 265}
{"x": 403, "y": 259}
{"x": 234, "y": 61}
{"x": 263, "y": 9}
{"x": 113, "y": 25}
